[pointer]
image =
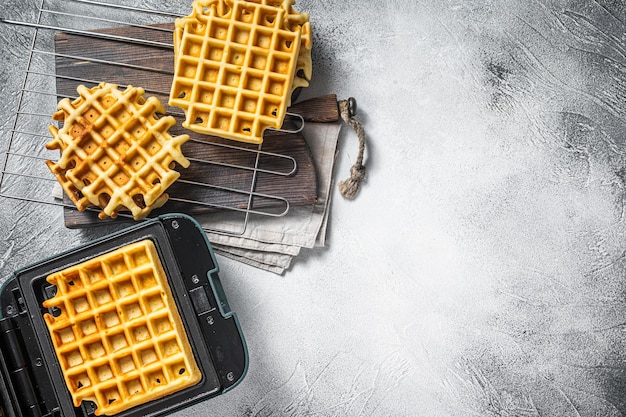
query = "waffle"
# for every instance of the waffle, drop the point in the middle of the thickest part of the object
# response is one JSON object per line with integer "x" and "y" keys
{"x": 118, "y": 335}
{"x": 235, "y": 63}
{"x": 115, "y": 152}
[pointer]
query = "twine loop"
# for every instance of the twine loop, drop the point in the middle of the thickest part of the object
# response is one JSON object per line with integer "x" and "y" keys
{"x": 349, "y": 187}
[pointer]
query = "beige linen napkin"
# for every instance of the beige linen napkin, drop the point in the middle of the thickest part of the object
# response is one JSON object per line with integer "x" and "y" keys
{"x": 271, "y": 243}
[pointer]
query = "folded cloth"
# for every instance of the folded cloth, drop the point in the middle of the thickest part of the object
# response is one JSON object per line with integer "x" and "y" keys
{"x": 226, "y": 241}
{"x": 249, "y": 261}
{"x": 270, "y": 243}
{"x": 259, "y": 259}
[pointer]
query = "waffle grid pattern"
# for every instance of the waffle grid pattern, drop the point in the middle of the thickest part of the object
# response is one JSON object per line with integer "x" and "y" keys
{"x": 115, "y": 152}
{"x": 118, "y": 336}
{"x": 234, "y": 67}
{"x": 295, "y": 21}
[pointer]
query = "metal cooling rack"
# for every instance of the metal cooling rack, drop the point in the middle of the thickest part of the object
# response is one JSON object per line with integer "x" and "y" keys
{"x": 24, "y": 173}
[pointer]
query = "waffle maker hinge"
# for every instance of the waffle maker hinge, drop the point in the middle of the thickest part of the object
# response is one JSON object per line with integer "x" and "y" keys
{"x": 24, "y": 384}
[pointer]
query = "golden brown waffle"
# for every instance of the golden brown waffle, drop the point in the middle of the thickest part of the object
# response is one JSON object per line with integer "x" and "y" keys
{"x": 235, "y": 63}
{"x": 118, "y": 336}
{"x": 116, "y": 153}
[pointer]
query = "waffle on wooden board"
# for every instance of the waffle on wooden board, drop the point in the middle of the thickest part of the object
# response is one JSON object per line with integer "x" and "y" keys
{"x": 236, "y": 64}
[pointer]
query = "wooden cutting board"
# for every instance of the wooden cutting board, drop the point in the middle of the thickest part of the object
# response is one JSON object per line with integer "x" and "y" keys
{"x": 222, "y": 173}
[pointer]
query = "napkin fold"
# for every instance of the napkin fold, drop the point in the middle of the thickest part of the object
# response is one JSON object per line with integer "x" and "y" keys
{"x": 271, "y": 243}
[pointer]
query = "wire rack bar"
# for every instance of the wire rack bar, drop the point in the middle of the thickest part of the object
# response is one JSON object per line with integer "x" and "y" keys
{"x": 86, "y": 33}
{"x": 105, "y": 62}
{"x": 128, "y": 8}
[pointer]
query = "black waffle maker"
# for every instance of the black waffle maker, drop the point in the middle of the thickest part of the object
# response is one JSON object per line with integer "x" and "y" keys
{"x": 31, "y": 379}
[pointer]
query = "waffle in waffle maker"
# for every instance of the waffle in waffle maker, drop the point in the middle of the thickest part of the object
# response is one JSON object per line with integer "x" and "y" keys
{"x": 134, "y": 324}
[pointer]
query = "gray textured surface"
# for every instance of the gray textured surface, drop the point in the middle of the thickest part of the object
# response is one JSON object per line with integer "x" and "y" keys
{"x": 481, "y": 269}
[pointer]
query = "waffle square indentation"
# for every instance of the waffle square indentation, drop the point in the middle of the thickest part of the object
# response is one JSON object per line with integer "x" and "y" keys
{"x": 119, "y": 338}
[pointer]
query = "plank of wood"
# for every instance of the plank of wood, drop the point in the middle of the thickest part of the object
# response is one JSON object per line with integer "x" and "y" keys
{"x": 220, "y": 176}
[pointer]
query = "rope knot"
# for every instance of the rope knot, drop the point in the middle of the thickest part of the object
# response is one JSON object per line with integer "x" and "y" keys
{"x": 350, "y": 187}
{"x": 358, "y": 172}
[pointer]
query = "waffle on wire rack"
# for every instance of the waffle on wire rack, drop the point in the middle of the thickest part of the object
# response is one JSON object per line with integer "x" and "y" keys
{"x": 118, "y": 336}
{"x": 235, "y": 65}
{"x": 115, "y": 152}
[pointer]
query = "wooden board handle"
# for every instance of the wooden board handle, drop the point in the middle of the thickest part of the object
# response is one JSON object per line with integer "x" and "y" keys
{"x": 323, "y": 109}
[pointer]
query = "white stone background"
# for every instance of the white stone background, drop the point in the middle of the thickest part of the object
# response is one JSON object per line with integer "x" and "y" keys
{"x": 480, "y": 271}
